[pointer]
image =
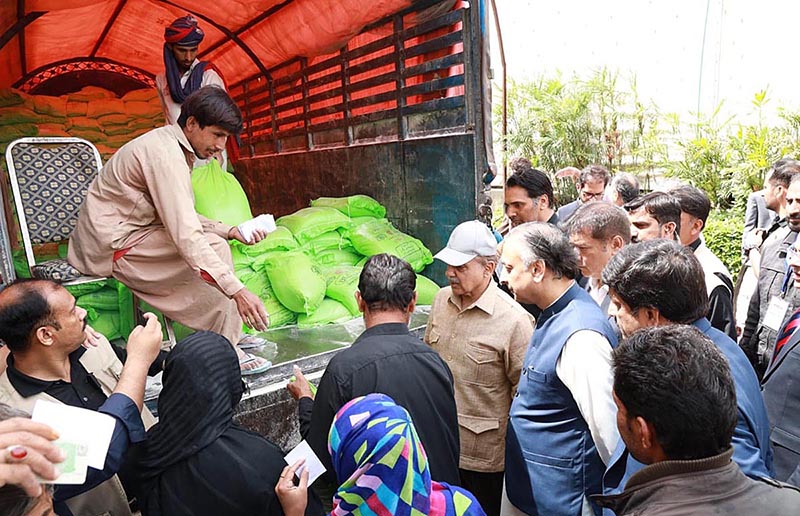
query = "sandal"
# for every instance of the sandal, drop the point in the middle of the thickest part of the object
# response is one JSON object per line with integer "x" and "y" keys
{"x": 251, "y": 341}
{"x": 253, "y": 364}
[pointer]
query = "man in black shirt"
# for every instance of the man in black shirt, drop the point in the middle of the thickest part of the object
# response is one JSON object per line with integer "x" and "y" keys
{"x": 387, "y": 359}
{"x": 83, "y": 390}
{"x": 695, "y": 208}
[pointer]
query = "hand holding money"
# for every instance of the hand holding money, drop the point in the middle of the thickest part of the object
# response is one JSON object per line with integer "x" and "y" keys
{"x": 29, "y": 454}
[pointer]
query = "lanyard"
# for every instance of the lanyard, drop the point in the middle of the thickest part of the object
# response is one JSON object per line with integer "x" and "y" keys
{"x": 786, "y": 277}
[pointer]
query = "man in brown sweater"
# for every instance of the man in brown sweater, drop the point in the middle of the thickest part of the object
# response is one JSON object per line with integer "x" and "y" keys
{"x": 676, "y": 413}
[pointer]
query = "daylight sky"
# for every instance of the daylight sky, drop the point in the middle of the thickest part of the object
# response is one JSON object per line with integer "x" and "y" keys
{"x": 749, "y": 45}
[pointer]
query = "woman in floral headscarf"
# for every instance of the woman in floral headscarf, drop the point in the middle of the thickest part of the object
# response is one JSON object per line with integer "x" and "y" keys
{"x": 380, "y": 465}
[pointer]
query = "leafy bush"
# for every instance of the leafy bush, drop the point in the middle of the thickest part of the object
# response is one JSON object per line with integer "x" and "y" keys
{"x": 558, "y": 123}
{"x": 723, "y": 236}
{"x": 728, "y": 160}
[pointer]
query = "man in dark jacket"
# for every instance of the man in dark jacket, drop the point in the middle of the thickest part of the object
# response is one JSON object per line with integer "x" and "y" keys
{"x": 676, "y": 412}
{"x": 782, "y": 389}
{"x": 695, "y": 208}
{"x": 774, "y": 298}
{"x": 659, "y": 283}
{"x": 387, "y": 359}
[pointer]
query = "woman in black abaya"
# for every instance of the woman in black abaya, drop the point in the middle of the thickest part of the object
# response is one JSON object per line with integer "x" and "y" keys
{"x": 196, "y": 460}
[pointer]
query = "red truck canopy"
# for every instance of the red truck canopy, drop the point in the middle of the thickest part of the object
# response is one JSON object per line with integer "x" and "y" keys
{"x": 44, "y": 38}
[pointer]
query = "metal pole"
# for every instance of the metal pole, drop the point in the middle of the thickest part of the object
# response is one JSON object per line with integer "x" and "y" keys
{"x": 505, "y": 93}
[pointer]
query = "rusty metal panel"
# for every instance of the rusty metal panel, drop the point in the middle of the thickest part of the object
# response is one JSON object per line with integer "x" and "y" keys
{"x": 427, "y": 185}
{"x": 284, "y": 183}
{"x": 441, "y": 191}
{"x": 415, "y": 69}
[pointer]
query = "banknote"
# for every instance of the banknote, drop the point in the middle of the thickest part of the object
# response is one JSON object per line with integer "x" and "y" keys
{"x": 73, "y": 469}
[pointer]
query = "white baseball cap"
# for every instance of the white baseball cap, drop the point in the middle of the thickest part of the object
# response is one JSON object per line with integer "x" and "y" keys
{"x": 468, "y": 240}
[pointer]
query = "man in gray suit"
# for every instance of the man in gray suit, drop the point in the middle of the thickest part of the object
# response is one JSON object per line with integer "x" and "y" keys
{"x": 757, "y": 215}
{"x": 781, "y": 389}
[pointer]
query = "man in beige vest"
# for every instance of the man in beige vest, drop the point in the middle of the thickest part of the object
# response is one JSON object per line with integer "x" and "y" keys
{"x": 55, "y": 357}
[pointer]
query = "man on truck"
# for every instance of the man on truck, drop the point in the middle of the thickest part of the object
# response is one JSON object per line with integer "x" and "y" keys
{"x": 138, "y": 224}
{"x": 183, "y": 72}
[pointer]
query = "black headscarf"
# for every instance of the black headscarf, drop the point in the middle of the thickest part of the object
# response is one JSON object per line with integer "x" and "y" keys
{"x": 202, "y": 386}
{"x": 196, "y": 461}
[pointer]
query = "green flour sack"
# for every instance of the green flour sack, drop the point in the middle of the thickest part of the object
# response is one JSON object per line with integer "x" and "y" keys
{"x": 308, "y": 223}
{"x": 330, "y": 257}
{"x": 105, "y": 322}
{"x": 353, "y": 206}
{"x": 218, "y": 195}
{"x": 342, "y": 281}
{"x": 279, "y": 315}
{"x": 329, "y": 312}
{"x": 279, "y": 240}
{"x": 325, "y": 241}
{"x": 379, "y": 236}
{"x": 296, "y": 280}
{"x": 426, "y": 290}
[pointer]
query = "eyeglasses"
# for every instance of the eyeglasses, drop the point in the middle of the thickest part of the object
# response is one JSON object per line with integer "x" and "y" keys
{"x": 588, "y": 196}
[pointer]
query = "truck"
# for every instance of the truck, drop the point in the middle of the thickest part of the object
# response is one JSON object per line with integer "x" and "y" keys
{"x": 389, "y": 99}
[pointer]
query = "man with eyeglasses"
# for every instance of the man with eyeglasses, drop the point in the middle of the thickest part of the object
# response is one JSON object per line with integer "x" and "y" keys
{"x": 591, "y": 186}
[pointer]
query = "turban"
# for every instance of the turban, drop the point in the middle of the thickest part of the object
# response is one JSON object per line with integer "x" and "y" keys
{"x": 184, "y": 31}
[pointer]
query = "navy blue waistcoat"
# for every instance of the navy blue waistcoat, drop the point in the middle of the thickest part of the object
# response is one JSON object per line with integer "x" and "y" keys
{"x": 551, "y": 459}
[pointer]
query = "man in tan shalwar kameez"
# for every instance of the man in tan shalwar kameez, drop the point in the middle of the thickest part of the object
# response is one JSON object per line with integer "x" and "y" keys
{"x": 139, "y": 225}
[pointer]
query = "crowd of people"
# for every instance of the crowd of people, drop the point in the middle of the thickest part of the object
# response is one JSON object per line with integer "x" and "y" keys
{"x": 587, "y": 362}
{"x": 593, "y": 358}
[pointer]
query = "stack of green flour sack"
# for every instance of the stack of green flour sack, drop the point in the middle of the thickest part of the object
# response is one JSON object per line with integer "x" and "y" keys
{"x": 108, "y": 303}
{"x": 307, "y": 270}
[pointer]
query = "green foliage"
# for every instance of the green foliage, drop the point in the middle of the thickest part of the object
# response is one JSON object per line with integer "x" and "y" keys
{"x": 723, "y": 236}
{"x": 558, "y": 123}
{"x": 728, "y": 161}
{"x": 706, "y": 157}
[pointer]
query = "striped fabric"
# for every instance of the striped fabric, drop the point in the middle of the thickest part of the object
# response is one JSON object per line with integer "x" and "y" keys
{"x": 382, "y": 467}
{"x": 786, "y": 333}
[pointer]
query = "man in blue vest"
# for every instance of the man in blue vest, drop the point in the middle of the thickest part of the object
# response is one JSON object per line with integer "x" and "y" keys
{"x": 660, "y": 282}
{"x": 562, "y": 427}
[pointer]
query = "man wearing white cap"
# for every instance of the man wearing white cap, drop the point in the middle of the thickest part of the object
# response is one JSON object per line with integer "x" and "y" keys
{"x": 482, "y": 334}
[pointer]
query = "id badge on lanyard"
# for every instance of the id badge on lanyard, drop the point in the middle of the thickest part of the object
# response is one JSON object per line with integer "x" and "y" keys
{"x": 778, "y": 306}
